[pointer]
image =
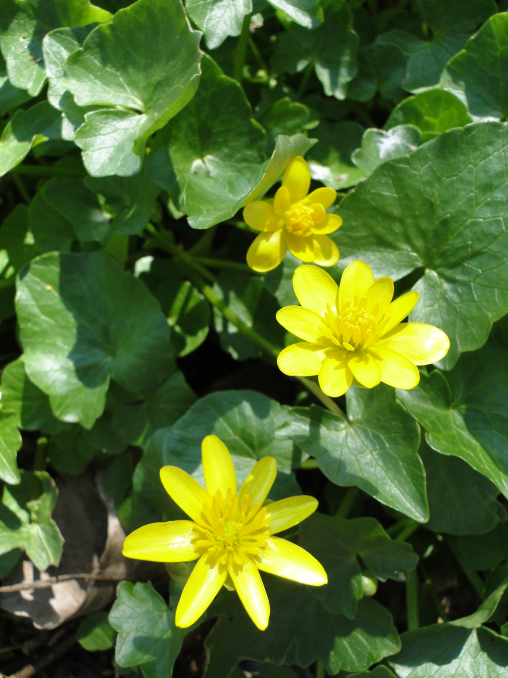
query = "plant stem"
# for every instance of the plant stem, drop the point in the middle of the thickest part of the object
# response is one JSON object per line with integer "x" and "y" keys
{"x": 23, "y": 191}
{"x": 241, "y": 49}
{"x": 223, "y": 263}
{"x": 257, "y": 54}
{"x": 473, "y": 577}
{"x": 309, "y": 464}
{"x": 347, "y": 503}
{"x": 305, "y": 80}
{"x": 407, "y": 531}
{"x": 398, "y": 526}
{"x": 195, "y": 273}
{"x": 320, "y": 670}
{"x": 412, "y": 586}
{"x": 40, "y": 455}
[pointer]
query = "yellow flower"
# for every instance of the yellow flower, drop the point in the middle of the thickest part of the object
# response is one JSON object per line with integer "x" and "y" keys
{"x": 231, "y": 534}
{"x": 296, "y": 221}
{"x": 353, "y": 334}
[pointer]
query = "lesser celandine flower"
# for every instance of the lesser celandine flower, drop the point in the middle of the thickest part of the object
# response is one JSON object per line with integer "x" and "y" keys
{"x": 354, "y": 334}
{"x": 229, "y": 534}
{"x": 296, "y": 221}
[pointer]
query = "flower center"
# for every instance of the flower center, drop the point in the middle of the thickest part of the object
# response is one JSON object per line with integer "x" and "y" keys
{"x": 299, "y": 219}
{"x": 356, "y": 328}
{"x": 230, "y": 530}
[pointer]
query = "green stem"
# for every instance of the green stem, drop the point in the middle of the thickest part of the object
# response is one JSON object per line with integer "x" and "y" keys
{"x": 320, "y": 670}
{"x": 347, "y": 503}
{"x": 412, "y": 586}
{"x": 195, "y": 273}
{"x": 398, "y": 526}
{"x": 407, "y": 531}
{"x": 432, "y": 590}
{"x": 23, "y": 191}
{"x": 223, "y": 263}
{"x": 471, "y": 574}
{"x": 241, "y": 49}
{"x": 166, "y": 243}
{"x": 305, "y": 80}
{"x": 257, "y": 54}
{"x": 362, "y": 114}
{"x": 40, "y": 455}
{"x": 309, "y": 464}
{"x": 44, "y": 171}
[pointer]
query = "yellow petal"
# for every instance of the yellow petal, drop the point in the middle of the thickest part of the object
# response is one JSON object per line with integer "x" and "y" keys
{"x": 217, "y": 466}
{"x": 398, "y": 310}
{"x": 300, "y": 247}
{"x": 301, "y": 322}
{"x": 335, "y": 377}
{"x": 259, "y": 481}
{"x": 284, "y": 559}
{"x": 267, "y": 251}
{"x": 326, "y": 252}
{"x": 184, "y": 491}
{"x": 163, "y": 542}
{"x": 288, "y": 512}
{"x": 297, "y": 179}
{"x": 396, "y": 370}
{"x": 331, "y": 223}
{"x": 381, "y": 293}
{"x": 251, "y": 590}
{"x": 422, "y": 344}
{"x": 260, "y": 215}
{"x": 282, "y": 201}
{"x": 356, "y": 279}
{"x": 318, "y": 213}
{"x": 365, "y": 367}
{"x": 302, "y": 359}
{"x": 201, "y": 588}
{"x": 315, "y": 288}
{"x": 324, "y": 196}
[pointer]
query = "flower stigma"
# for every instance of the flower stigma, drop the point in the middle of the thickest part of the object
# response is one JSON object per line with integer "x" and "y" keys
{"x": 230, "y": 531}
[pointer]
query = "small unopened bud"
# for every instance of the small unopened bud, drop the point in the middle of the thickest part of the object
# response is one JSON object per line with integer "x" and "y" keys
{"x": 369, "y": 584}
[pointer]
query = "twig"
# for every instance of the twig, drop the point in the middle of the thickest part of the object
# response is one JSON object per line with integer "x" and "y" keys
{"x": 44, "y": 583}
{"x": 53, "y": 654}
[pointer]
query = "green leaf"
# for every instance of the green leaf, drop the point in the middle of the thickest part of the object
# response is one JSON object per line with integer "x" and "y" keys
{"x": 248, "y": 423}
{"x": 376, "y": 450}
{"x": 23, "y": 28}
{"x": 145, "y": 413}
{"x": 95, "y": 633}
{"x": 28, "y": 126}
{"x": 330, "y": 159}
{"x": 70, "y": 451}
{"x": 218, "y": 19}
{"x": 300, "y": 631}
{"x": 31, "y": 405}
{"x": 51, "y": 231}
{"x": 306, "y": 13}
{"x": 82, "y": 321}
{"x": 25, "y": 519}
{"x": 147, "y": 634}
{"x": 331, "y": 49}
{"x": 247, "y": 297}
{"x": 118, "y": 66}
{"x": 439, "y": 209}
{"x": 379, "y": 146}
{"x": 187, "y": 311}
{"x": 433, "y": 112}
{"x": 10, "y": 96}
{"x": 283, "y": 115}
{"x": 378, "y": 672}
{"x": 458, "y": 649}
{"x": 381, "y": 67}
{"x": 485, "y": 551}
{"x": 461, "y": 501}
{"x": 215, "y": 148}
{"x": 464, "y": 413}
{"x": 16, "y": 240}
{"x": 10, "y": 443}
{"x": 279, "y": 282}
{"x": 473, "y": 74}
{"x": 338, "y": 544}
